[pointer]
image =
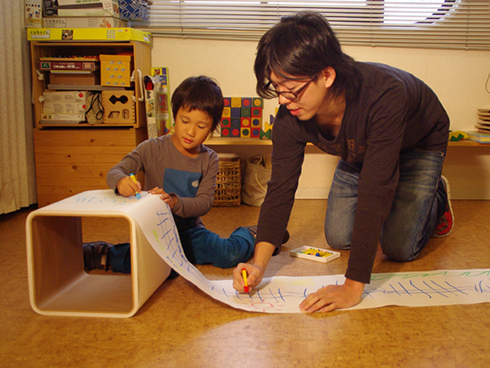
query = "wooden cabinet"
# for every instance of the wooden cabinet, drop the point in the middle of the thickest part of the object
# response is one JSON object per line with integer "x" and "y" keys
{"x": 71, "y": 161}
{"x": 72, "y": 158}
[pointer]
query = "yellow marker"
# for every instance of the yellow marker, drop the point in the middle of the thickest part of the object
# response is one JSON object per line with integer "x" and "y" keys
{"x": 138, "y": 195}
{"x": 244, "y": 274}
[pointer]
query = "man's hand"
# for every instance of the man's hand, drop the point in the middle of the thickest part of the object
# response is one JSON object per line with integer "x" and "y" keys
{"x": 254, "y": 276}
{"x": 333, "y": 297}
{"x": 255, "y": 269}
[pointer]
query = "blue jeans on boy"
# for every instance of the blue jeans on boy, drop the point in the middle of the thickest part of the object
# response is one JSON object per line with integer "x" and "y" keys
{"x": 419, "y": 202}
{"x": 202, "y": 246}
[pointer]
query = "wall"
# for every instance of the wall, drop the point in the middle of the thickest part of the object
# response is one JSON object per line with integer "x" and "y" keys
{"x": 458, "y": 78}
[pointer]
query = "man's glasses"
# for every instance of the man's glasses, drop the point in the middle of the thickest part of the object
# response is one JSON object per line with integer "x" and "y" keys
{"x": 290, "y": 95}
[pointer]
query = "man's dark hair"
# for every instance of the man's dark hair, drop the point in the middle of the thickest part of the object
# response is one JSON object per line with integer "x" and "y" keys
{"x": 302, "y": 45}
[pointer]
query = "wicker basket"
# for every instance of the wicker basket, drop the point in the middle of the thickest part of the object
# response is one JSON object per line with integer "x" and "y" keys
{"x": 228, "y": 183}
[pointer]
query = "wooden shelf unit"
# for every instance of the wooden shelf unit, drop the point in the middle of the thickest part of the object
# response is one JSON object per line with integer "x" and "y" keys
{"x": 72, "y": 158}
{"x": 217, "y": 141}
{"x": 141, "y": 64}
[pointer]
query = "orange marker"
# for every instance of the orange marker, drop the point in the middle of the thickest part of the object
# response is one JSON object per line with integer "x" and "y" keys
{"x": 244, "y": 274}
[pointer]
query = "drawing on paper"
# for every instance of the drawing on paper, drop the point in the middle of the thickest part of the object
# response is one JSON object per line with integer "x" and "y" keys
{"x": 283, "y": 294}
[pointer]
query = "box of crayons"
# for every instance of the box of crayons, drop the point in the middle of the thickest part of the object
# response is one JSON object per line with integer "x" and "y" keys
{"x": 314, "y": 254}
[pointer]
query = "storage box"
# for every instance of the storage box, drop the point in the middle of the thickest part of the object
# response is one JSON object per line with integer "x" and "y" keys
{"x": 62, "y": 118}
{"x": 118, "y": 107}
{"x": 67, "y": 108}
{"x": 115, "y": 70}
{"x": 83, "y": 22}
{"x": 133, "y": 10}
{"x": 74, "y": 78}
{"x": 75, "y": 8}
{"x": 87, "y": 34}
{"x": 64, "y": 96}
{"x": 228, "y": 183}
{"x": 33, "y": 13}
{"x": 58, "y": 284}
{"x": 63, "y": 107}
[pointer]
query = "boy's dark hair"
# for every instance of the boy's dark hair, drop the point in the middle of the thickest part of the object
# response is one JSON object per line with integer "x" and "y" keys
{"x": 199, "y": 93}
{"x": 302, "y": 45}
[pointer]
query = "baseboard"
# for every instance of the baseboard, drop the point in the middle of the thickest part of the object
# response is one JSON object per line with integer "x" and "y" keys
{"x": 312, "y": 193}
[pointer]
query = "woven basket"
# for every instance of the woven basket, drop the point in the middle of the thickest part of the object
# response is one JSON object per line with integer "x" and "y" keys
{"x": 228, "y": 183}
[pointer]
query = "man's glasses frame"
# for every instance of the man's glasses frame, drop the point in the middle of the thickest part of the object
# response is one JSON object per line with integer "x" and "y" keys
{"x": 290, "y": 95}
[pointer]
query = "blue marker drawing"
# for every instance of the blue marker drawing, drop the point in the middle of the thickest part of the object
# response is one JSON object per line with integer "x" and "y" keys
{"x": 283, "y": 294}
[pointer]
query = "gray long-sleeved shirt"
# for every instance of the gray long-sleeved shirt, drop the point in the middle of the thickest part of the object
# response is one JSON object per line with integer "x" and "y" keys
{"x": 395, "y": 112}
{"x": 193, "y": 180}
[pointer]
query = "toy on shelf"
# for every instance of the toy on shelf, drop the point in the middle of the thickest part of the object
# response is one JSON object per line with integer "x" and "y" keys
{"x": 160, "y": 79}
{"x": 157, "y": 103}
{"x": 115, "y": 70}
{"x": 118, "y": 107}
{"x": 242, "y": 117}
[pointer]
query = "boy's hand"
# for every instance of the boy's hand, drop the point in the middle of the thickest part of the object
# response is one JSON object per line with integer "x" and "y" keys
{"x": 333, "y": 297}
{"x": 254, "y": 276}
{"x": 171, "y": 200}
{"x": 127, "y": 187}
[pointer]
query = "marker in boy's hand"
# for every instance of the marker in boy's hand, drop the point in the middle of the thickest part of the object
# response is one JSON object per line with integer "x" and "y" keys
{"x": 127, "y": 187}
{"x": 133, "y": 178}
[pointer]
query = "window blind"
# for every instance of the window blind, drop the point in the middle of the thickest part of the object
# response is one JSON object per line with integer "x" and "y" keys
{"x": 448, "y": 24}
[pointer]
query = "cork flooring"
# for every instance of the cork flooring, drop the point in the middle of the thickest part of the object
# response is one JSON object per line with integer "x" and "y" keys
{"x": 180, "y": 326}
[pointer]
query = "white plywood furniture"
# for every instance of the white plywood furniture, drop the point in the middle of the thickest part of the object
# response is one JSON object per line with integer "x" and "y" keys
{"x": 58, "y": 283}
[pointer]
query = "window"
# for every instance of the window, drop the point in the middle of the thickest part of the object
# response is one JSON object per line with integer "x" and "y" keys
{"x": 451, "y": 24}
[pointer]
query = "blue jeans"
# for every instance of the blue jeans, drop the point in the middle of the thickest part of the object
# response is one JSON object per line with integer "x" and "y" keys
{"x": 419, "y": 202}
{"x": 202, "y": 246}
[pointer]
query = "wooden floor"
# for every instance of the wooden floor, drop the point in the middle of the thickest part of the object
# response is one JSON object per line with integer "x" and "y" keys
{"x": 180, "y": 326}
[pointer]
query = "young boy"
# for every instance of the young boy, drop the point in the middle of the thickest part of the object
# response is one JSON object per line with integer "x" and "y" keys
{"x": 182, "y": 171}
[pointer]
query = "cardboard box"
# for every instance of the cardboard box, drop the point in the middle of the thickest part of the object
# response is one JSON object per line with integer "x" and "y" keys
{"x": 63, "y": 107}
{"x": 72, "y": 78}
{"x": 49, "y": 8}
{"x": 115, "y": 70}
{"x": 79, "y": 2}
{"x": 62, "y": 118}
{"x": 77, "y": 108}
{"x": 68, "y": 65}
{"x": 64, "y": 96}
{"x": 96, "y": 8}
{"x": 83, "y": 22}
{"x": 133, "y": 10}
{"x": 87, "y": 34}
{"x": 33, "y": 13}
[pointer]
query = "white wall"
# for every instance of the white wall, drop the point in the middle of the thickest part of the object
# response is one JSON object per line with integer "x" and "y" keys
{"x": 457, "y": 77}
